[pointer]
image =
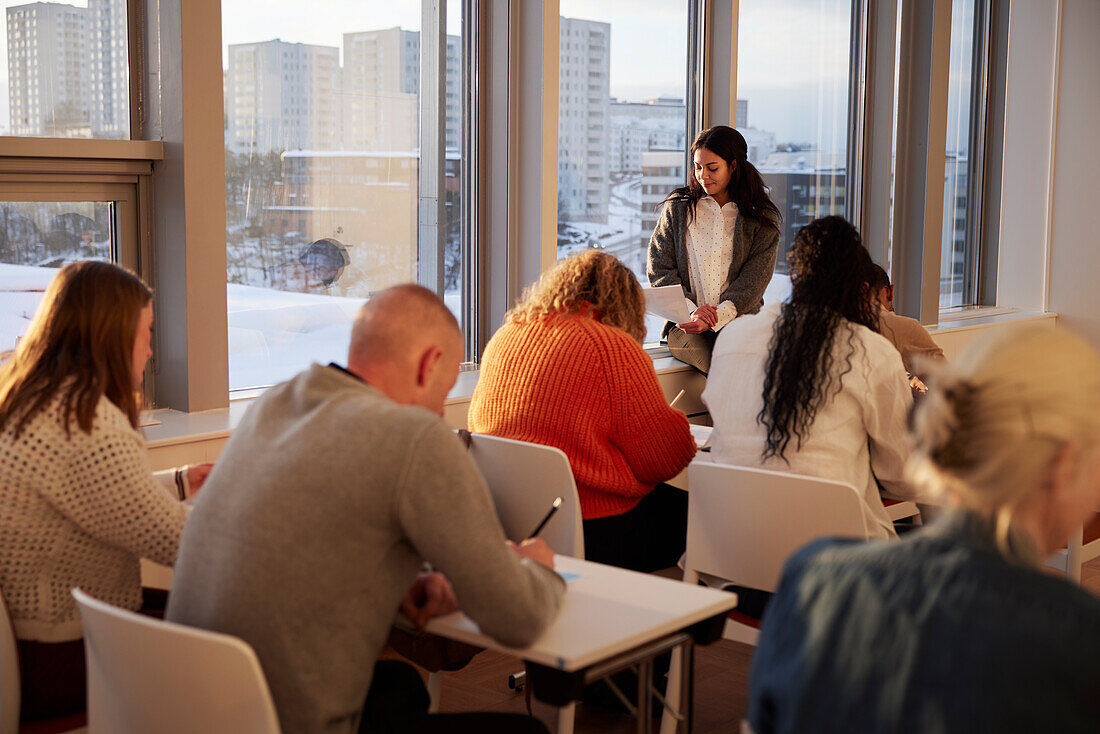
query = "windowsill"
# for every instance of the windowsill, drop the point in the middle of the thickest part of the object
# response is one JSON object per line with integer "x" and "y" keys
{"x": 975, "y": 318}
{"x": 19, "y": 147}
{"x": 178, "y": 427}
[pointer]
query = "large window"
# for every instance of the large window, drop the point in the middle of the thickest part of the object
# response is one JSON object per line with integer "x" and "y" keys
{"x": 335, "y": 172}
{"x": 46, "y": 225}
{"x": 66, "y": 75}
{"x": 622, "y": 124}
{"x": 792, "y": 107}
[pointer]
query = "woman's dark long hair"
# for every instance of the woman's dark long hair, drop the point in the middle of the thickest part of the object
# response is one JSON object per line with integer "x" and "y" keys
{"x": 746, "y": 187}
{"x": 830, "y": 271}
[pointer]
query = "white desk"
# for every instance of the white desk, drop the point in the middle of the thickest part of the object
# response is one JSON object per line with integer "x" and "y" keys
{"x": 610, "y": 618}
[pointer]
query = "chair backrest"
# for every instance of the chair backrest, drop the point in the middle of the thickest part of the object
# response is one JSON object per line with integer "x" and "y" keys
{"x": 744, "y": 523}
{"x": 524, "y": 479}
{"x": 147, "y": 675}
{"x": 9, "y": 673}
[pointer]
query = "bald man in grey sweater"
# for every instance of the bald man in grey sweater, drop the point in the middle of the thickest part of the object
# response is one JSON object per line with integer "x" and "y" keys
{"x": 332, "y": 492}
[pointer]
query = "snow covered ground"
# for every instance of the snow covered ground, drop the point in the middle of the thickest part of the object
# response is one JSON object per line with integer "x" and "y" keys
{"x": 272, "y": 334}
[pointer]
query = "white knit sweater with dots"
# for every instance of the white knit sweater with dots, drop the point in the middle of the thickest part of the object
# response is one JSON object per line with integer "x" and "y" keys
{"x": 79, "y": 511}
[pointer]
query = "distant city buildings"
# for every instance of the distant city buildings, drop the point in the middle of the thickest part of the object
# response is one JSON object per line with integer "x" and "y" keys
{"x": 48, "y": 76}
{"x": 639, "y": 127}
{"x": 109, "y": 71}
{"x": 584, "y": 97}
{"x": 662, "y": 171}
{"x": 293, "y": 96}
{"x": 67, "y": 70}
{"x": 282, "y": 96}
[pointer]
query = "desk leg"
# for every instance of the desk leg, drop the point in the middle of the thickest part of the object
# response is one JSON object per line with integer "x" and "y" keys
{"x": 687, "y": 684}
{"x": 645, "y": 696}
{"x": 672, "y": 692}
{"x": 565, "y": 717}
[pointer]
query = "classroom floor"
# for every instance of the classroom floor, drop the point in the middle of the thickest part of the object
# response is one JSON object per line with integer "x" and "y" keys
{"x": 721, "y": 686}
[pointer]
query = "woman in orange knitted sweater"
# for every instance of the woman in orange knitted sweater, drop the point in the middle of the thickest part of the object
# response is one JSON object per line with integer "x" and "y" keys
{"x": 567, "y": 369}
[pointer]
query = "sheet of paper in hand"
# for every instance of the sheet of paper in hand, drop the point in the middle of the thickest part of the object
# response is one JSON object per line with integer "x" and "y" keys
{"x": 667, "y": 301}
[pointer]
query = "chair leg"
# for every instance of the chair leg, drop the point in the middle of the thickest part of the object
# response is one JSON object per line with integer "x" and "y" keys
{"x": 566, "y": 715}
{"x": 435, "y": 691}
{"x": 1073, "y": 556}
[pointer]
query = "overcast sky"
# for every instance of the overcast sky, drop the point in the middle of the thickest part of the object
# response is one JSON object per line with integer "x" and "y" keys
{"x": 792, "y": 54}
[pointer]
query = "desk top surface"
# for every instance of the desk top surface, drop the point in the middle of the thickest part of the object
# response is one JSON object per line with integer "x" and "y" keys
{"x": 605, "y": 611}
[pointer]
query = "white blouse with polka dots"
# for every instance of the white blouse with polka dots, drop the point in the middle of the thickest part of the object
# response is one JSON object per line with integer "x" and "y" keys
{"x": 710, "y": 251}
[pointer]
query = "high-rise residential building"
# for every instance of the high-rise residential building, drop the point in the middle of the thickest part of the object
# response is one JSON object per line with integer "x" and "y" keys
{"x": 584, "y": 92}
{"x": 282, "y": 96}
{"x": 662, "y": 171}
{"x": 378, "y": 94}
{"x": 742, "y": 109}
{"x": 637, "y": 127}
{"x": 48, "y": 77}
{"x": 381, "y": 81}
{"x": 109, "y": 89}
{"x": 804, "y": 185}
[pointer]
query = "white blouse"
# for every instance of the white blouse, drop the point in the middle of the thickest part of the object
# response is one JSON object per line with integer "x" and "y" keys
{"x": 858, "y": 435}
{"x": 710, "y": 252}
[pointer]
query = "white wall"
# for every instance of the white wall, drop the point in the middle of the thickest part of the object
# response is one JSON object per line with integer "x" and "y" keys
{"x": 1075, "y": 243}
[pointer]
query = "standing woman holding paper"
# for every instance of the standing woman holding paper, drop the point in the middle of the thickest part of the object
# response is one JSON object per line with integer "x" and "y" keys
{"x": 717, "y": 239}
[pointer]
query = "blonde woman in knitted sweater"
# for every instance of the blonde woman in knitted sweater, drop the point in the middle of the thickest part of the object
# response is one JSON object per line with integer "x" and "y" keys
{"x": 79, "y": 506}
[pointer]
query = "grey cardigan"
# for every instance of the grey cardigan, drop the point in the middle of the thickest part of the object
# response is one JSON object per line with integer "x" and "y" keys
{"x": 754, "y": 249}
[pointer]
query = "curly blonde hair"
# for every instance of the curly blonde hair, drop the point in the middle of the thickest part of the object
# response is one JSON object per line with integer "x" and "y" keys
{"x": 591, "y": 277}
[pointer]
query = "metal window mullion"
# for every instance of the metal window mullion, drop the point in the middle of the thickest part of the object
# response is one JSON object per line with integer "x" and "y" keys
{"x": 921, "y": 151}
{"x": 135, "y": 40}
{"x": 877, "y": 145}
{"x": 432, "y": 180}
{"x": 857, "y": 111}
{"x": 975, "y": 165}
{"x": 695, "y": 82}
{"x": 471, "y": 261}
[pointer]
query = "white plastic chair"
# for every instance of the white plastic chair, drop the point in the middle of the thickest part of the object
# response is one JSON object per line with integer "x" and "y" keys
{"x": 744, "y": 523}
{"x": 11, "y": 685}
{"x": 147, "y": 675}
{"x": 524, "y": 479}
{"x": 9, "y": 674}
{"x": 1079, "y": 551}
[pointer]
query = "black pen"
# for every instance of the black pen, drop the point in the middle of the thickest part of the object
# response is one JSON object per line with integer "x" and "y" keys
{"x": 553, "y": 509}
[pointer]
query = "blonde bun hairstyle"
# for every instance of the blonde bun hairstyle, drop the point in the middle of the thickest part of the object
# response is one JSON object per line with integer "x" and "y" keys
{"x": 992, "y": 424}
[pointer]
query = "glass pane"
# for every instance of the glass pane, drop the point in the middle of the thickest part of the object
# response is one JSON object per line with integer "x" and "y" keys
{"x": 953, "y": 252}
{"x": 322, "y": 173}
{"x": 36, "y": 238}
{"x": 67, "y": 69}
{"x": 622, "y": 122}
{"x": 792, "y": 84}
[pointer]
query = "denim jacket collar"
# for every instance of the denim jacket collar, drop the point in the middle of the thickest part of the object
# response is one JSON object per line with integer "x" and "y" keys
{"x": 978, "y": 531}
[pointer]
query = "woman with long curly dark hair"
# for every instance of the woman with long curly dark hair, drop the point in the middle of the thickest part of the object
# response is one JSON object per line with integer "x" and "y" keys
{"x": 810, "y": 386}
{"x": 717, "y": 239}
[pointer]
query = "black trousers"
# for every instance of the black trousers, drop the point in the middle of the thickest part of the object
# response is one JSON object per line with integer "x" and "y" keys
{"x": 397, "y": 703}
{"x": 52, "y": 678}
{"x": 649, "y": 537}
